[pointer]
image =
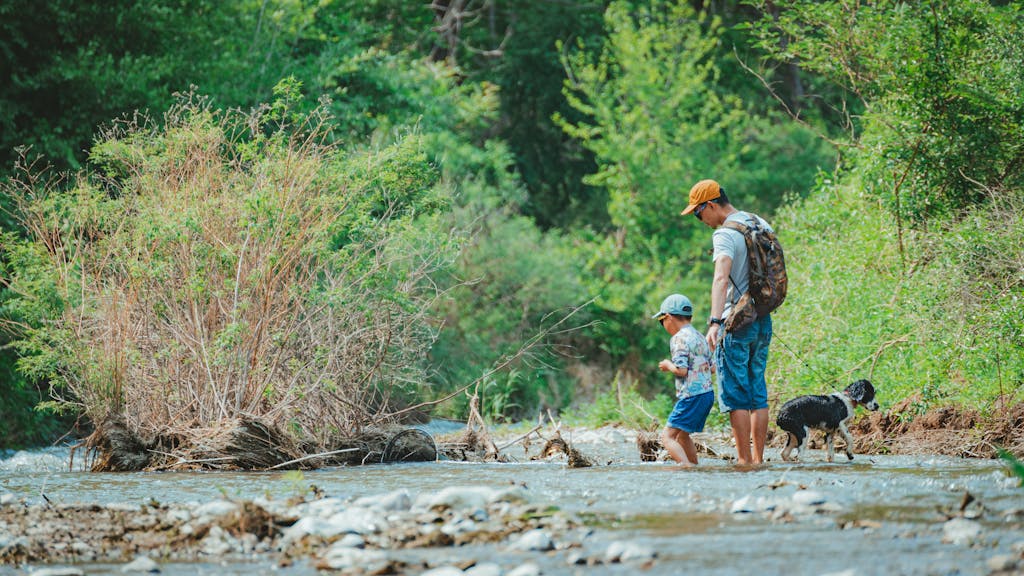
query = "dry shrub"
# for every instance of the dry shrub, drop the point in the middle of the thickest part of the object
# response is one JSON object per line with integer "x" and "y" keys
{"x": 232, "y": 271}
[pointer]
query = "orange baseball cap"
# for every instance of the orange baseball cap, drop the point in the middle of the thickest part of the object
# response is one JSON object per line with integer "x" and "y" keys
{"x": 702, "y": 192}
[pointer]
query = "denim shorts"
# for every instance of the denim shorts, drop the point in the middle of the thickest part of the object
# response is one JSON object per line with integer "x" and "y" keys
{"x": 691, "y": 413}
{"x": 741, "y": 358}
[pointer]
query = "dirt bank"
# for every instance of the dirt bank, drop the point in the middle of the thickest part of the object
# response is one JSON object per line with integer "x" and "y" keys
{"x": 946, "y": 430}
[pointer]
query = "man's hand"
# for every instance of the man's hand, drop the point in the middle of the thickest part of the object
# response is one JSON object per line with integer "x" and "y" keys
{"x": 712, "y": 336}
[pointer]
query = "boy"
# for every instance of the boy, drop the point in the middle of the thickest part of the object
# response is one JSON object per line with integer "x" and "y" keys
{"x": 692, "y": 368}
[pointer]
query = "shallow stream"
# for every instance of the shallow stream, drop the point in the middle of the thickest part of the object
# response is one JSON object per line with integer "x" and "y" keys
{"x": 875, "y": 515}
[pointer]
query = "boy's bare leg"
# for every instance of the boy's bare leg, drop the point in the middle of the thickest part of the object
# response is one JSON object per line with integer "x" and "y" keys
{"x": 740, "y": 421}
{"x": 675, "y": 440}
{"x": 759, "y": 430}
{"x": 688, "y": 446}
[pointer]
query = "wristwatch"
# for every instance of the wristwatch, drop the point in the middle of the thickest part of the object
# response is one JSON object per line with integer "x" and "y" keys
{"x": 718, "y": 321}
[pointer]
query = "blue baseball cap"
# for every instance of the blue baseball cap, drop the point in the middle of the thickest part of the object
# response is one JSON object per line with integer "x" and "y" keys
{"x": 674, "y": 304}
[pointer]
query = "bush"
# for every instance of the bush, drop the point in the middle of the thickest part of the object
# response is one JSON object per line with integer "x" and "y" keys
{"x": 230, "y": 265}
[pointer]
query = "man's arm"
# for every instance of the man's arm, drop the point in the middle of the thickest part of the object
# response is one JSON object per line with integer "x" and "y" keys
{"x": 723, "y": 265}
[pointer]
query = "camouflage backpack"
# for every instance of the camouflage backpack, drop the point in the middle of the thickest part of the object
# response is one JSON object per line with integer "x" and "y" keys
{"x": 768, "y": 281}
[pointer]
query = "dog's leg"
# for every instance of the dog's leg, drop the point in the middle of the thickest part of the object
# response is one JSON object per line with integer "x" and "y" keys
{"x": 791, "y": 442}
{"x": 828, "y": 444}
{"x": 849, "y": 440}
{"x": 801, "y": 441}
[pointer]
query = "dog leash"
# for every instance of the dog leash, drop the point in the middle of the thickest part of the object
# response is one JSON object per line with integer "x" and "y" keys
{"x": 830, "y": 383}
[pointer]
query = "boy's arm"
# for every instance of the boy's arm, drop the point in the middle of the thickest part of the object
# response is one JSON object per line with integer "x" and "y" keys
{"x": 670, "y": 366}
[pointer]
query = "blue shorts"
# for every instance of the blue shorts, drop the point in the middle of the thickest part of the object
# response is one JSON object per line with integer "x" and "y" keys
{"x": 741, "y": 358}
{"x": 691, "y": 413}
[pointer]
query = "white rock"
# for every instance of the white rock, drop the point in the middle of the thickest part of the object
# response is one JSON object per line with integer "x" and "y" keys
{"x": 179, "y": 515}
{"x": 57, "y": 572}
{"x": 351, "y": 541}
{"x": 397, "y": 501}
{"x": 848, "y": 572}
{"x": 533, "y": 540}
{"x": 1003, "y": 563}
{"x": 342, "y": 557}
{"x": 456, "y": 498}
{"x": 528, "y": 569}
{"x": 141, "y": 564}
{"x": 748, "y": 504}
{"x": 627, "y": 551}
{"x": 324, "y": 508}
{"x": 808, "y": 498}
{"x": 215, "y": 509}
{"x": 7, "y": 498}
{"x": 217, "y": 542}
{"x": 357, "y": 521}
{"x": 443, "y": 571}
{"x": 459, "y": 527}
{"x": 123, "y": 507}
{"x": 352, "y": 520}
{"x": 484, "y": 569}
{"x": 960, "y": 531}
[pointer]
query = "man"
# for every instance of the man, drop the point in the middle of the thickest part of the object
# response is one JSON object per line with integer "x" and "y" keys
{"x": 741, "y": 356}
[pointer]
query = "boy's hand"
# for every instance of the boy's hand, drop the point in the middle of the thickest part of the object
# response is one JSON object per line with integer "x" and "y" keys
{"x": 667, "y": 366}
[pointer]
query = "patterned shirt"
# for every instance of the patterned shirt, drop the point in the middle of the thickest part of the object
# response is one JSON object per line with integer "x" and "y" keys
{"x": 690, "y": 351}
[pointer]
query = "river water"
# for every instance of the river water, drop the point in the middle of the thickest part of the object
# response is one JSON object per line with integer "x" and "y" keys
{"x": 876, "y": 515}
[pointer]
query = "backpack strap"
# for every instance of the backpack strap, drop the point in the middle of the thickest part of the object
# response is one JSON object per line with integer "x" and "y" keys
{"x": 744, "y": 230}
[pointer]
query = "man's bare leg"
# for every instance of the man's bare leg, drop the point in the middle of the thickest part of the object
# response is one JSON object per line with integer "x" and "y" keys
{"x": 759, "y": 429}
{"x": 740, "y": 421}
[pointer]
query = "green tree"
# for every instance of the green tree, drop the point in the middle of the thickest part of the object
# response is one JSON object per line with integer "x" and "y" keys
{"x": 657, "y": 120}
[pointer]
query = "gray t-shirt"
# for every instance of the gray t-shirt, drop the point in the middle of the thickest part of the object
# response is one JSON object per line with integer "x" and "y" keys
{"x": 729, "y": 242}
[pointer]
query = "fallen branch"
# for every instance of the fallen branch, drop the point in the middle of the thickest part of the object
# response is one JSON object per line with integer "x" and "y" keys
{"x": 519, "y": 439}
{"x": 311, "y": 456}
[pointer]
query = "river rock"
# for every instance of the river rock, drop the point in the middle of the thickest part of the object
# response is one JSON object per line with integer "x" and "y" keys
{"x": 808, "y": 498}
{"x": 1003, "y": 563}
{"x": 323, "y": 508}
{"x": 484, "y": 569}
{"x": 68, "y": 571}
{"x": 455, "y": 498}
{"x": 960, "y": 531}
{"x": 344, "y": 557}
{"x": 460, "y": 526}
{"x": 528, "y": 569}
{"x": 214, "y": 509}
{"x": 750, "y": 504}
{"x": 217, "y": 542}
{"x": 141, "y": 564}
{"x": 351, "y": 541}
{"x": 533, "y": 540}
{"x": 443, "y": 571}
{"x": 397, "y": 501}
{"x": 628, "y": 551}
{"x": 7, "y": 498}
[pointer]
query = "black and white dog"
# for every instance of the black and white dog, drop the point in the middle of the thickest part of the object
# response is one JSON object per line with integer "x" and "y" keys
{"x": 830, "y": 413}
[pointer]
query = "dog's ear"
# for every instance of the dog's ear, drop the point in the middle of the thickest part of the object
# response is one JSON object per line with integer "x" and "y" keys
{"x": 862, "y": 391}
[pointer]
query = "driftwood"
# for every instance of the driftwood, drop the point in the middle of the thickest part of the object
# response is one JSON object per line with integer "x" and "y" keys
{"x": 247, "y": 445}
{"x": 557, "y": 445}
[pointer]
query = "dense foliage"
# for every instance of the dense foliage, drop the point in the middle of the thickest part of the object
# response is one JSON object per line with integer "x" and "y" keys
{"x": 501, "y": 164}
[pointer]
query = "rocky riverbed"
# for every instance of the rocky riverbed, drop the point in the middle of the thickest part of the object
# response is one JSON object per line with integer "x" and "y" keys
{"x": 620, "y": 516}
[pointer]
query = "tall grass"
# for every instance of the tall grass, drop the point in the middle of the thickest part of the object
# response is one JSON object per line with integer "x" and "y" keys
{"x": 230, "y": 265}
